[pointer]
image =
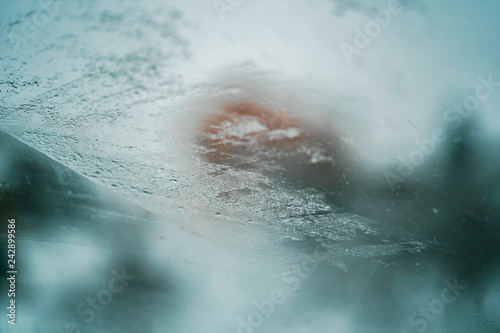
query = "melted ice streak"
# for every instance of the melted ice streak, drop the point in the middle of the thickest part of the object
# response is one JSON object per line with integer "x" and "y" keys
{"x": 245, "y": 129}
{"x": 287, "y": 133}
{"x": 242, "y": 129}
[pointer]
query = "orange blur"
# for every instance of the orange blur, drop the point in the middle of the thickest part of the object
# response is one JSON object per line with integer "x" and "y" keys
{"x": 217, "y": 128}
{"x": 247, "y": 134}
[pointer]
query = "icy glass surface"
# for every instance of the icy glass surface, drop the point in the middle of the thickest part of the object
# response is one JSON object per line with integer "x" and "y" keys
{"x": 213, "y": 216}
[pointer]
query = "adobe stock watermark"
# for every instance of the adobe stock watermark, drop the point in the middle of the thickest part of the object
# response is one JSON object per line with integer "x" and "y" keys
{"x": 224, "y": 6}
{"x": 291, "y": 281}
{"x": 24, "y": 31}
{"x": 420, "y": 319}
{"x": 454, "y": 115}
{"x": 363, "y": 37}
{"x": 102, "y": 298}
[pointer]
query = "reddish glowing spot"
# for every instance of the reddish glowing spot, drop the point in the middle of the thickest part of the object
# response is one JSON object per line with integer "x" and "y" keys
{"x": 247, "y": 125}
{"x": 248, "y": 134}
